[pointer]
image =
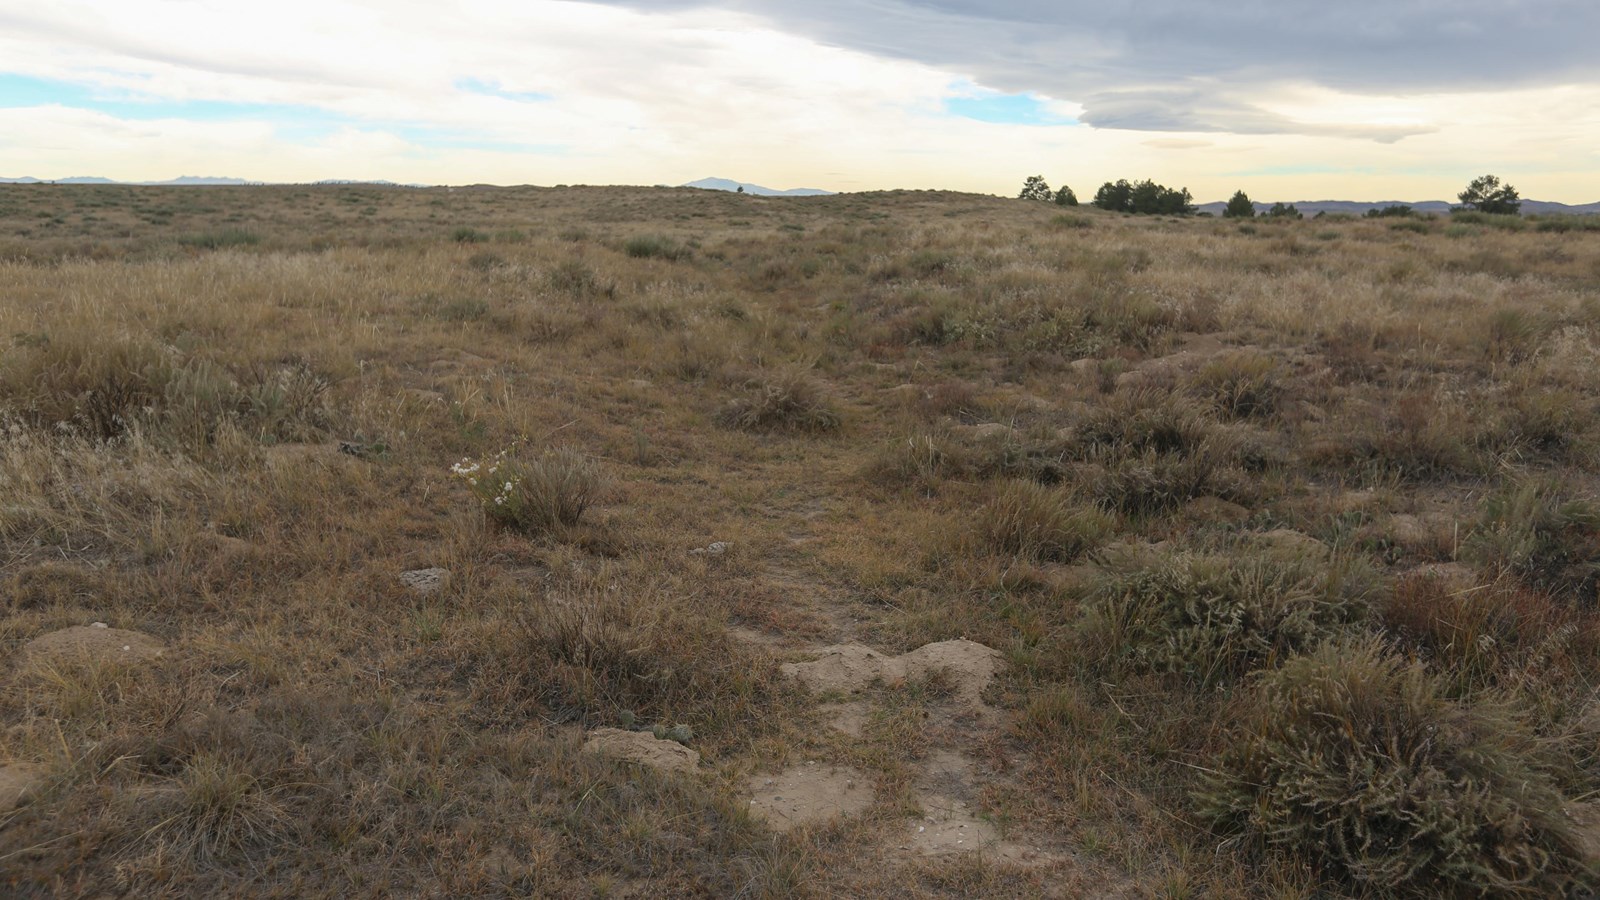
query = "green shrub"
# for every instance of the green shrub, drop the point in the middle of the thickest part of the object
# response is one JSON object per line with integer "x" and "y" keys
{"x": 1353, "y": 758}
{"x": 1040, "y": 523}
{"x": 1212, "y": 619}
{"x": 655, "y": 246}
{"x": 468, "y": 235}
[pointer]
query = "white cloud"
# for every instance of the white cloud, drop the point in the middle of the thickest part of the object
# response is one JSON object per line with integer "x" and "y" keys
{"x": 682, "y": 92}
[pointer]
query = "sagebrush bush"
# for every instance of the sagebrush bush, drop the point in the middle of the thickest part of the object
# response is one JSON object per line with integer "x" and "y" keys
{"x": 1212, "y": 619}
{"x": 1040, "y": 523}
{"x": 1543, "y": 532}
{"x": 790, "y": 401}
{"x": 532, "y": 494}
{"x": 1353, "y": 758}
{"x": 655, "y": 246}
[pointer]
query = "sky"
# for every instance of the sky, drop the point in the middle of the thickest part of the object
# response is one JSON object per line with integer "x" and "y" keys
{"x": 1286, "y": 99}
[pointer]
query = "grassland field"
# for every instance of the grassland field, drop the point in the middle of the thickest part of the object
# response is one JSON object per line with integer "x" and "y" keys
{"x": 1285, "y": 537}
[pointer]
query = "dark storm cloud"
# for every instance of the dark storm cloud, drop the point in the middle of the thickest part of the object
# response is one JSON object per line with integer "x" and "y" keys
{"x": 1195, "y": 65}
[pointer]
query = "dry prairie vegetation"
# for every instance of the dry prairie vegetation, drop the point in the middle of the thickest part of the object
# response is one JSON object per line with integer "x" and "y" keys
{"x": 1288, "y": 536}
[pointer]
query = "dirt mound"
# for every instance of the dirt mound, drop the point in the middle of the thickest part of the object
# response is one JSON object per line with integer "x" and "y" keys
{"x": 850, "y": 668}
{"x": 808, "y": 794}
{"x": 17, "y": 783}
{"x": 91, "y": 643}
{"x": 643, "y": 749}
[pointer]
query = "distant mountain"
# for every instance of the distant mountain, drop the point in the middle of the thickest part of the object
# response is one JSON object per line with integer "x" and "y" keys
{"x": 723, "y": 184}
{"x": 181, "y": 181}
{"x": 1437, "y": 207}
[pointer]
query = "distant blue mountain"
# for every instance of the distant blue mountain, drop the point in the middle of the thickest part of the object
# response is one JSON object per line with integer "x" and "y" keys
{"x": 723, "y": 184}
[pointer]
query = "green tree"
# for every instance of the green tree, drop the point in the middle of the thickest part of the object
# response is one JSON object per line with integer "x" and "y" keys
{"x": 1035, "y": 188}
{"x": 1486, "y": 194}
{"x": 1065, "y": 197}
{"x": 1239, "y": 207}
{"x": 1116, "y": 197}
{"x": 1284, "y": 211}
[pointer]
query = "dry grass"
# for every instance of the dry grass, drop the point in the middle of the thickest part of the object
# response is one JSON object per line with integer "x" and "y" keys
{"x": 228, "y": 417}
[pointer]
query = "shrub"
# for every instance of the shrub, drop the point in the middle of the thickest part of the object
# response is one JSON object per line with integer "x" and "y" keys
{"x": 1040, "y": 524}
{"x": 1353, "y": 758}
{"x": 1211, "y": 619}
{"x": 535, "y": 494}
{"x": 220, "y": 239}
{"x": 469, "y": 235}
{"x": 1242, "y": 384}
{"x": 789, "y": 402}
{"x": 1539, "y": 531}
{"x": 655, "y": 246}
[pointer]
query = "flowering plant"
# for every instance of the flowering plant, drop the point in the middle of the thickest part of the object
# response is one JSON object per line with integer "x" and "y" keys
{"x": 531, "y": 494}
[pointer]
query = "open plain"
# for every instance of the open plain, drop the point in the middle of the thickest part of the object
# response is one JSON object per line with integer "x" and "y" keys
{"x": 627, "y": 542}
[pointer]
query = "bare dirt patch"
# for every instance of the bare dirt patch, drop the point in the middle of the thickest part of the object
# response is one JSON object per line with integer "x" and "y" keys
{"x": 91, "y": 643}
{"x": 808, "y": 795}
{"x": 852, "y": 668}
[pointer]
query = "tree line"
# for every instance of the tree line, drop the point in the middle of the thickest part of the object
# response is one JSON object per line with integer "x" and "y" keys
{"x": 1486, "y": 194}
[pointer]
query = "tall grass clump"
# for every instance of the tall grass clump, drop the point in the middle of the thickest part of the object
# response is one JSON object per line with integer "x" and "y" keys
{"x": 1211, "y": 619}
{"x": 1353, "y": 758}
{"x": 1039, "y": 523}
{"x": 1541, "y": 532}
{"x": 1242, "y": 385}
{"x": 96, "y": 386}
{"x": 532, "y": 494}
{"x": 655, "y": 246}
{"x": 787, "y": 402}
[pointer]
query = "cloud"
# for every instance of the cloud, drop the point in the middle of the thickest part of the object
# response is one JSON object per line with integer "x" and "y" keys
{"x": 1132, "y": 64}
{"x": 869, "y": 94}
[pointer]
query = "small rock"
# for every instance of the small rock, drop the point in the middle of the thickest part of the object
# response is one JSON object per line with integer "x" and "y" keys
{"x": 715, "y": 548}
{"x": 426, "y": 582}
{"x": 642, "y": 749}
